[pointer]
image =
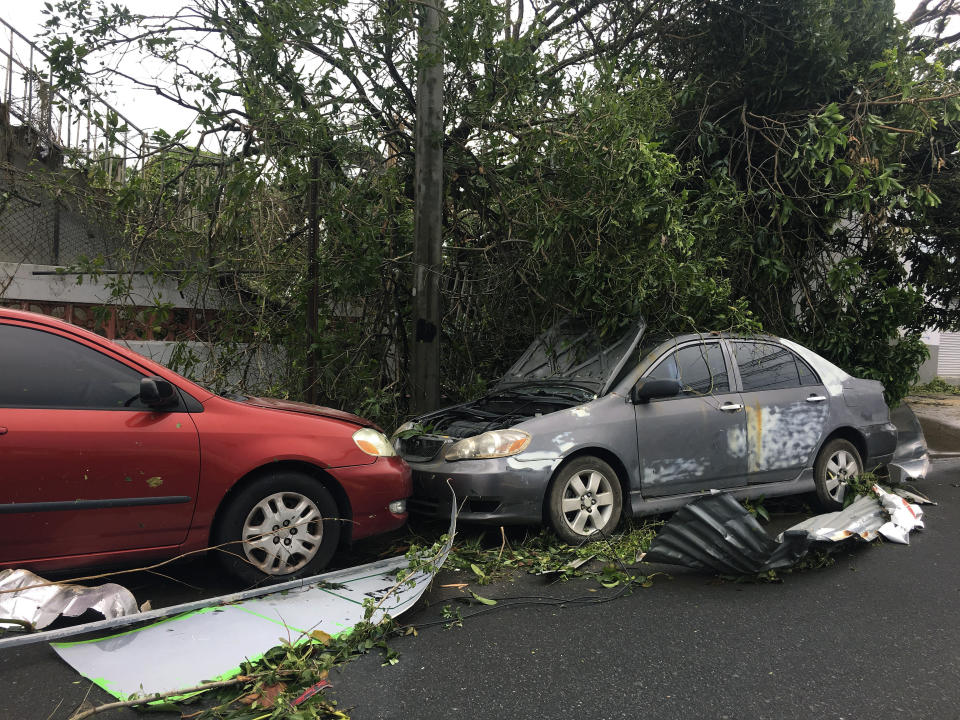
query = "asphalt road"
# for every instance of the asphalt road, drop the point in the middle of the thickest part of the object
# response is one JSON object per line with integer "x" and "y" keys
{"x": 875, "y": 635}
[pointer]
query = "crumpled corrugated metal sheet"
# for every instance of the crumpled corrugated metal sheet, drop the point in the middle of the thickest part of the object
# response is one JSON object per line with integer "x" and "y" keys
{"x": 715, "y": 532}
{"x": 862, "y": 518}
{"x": 31, "y": 599}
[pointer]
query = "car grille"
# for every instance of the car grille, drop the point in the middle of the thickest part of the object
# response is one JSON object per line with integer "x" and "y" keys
{"x": 419, "y": 448}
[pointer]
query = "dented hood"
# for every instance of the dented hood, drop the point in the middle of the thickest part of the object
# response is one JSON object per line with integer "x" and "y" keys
{"x": 573, "y": 351}
{"x": 306, "y": 409}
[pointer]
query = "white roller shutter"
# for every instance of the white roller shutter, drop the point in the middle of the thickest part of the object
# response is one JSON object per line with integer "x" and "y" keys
{"x": 948, "y": 362}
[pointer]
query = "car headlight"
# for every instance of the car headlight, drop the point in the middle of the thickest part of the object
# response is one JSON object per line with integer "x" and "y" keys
{"x": 493, "y": 444}
{"x": 373, "y": 443}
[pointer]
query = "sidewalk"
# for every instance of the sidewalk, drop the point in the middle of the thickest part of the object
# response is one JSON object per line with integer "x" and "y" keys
{"x": 939, "y": 416}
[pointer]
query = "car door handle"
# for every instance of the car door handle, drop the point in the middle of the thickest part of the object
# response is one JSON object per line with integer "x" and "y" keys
{"x": 816, "y": 398}
{"x": 731, "y": 407}
{"x": 3, "y": 431}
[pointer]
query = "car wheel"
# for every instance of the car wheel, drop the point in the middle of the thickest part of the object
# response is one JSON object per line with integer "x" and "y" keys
{"x": 585, "y": 500}
{"x": 282, "y": 527}
{"x": 837, "y": 462}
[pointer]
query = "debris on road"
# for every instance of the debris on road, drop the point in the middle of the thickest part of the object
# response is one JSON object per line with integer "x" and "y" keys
{"x": 914, "y": 497}
{"x": 717, "y": 533}
{"x": 29, "y": 602}
{"x": 212, "y": 642}
{"x": 904, "y": 517}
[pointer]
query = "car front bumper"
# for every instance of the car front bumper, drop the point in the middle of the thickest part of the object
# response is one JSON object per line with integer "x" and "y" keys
{"x": 498, "y": 491}
{"x": 371, "y": 489}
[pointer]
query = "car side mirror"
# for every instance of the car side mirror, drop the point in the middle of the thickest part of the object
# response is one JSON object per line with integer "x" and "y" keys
{"x": 157, "y": 393}
{"x": 645, "y": 390}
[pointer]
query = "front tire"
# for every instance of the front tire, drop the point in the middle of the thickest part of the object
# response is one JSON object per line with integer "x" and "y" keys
{"x": 838, "y": 461}
{"x": 584, "y": 501}
{"x": 282, "y": 527}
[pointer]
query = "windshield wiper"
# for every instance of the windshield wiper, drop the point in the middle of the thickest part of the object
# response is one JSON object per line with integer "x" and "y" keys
{"x": 538, "y": 393}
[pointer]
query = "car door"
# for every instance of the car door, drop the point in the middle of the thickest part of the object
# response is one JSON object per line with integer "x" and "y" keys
{"x": 83, "y": 467}
{"x": 786, "y": 409}
{"x": 696, "y": 440}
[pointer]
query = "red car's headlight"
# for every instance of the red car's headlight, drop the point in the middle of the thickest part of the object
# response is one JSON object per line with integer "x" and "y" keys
{"x": 373, "y": 443}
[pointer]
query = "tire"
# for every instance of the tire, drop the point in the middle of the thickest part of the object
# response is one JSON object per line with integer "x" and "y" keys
{"x": 838, "y": 460}
{"x": 584, "y": 501}
{"x": 299, "y": 541}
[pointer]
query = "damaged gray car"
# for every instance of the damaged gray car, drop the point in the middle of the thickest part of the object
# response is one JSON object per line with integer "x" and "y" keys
{"x": 579, "y": 432}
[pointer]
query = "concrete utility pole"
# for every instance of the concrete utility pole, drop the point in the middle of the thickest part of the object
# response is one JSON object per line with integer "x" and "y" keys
{"x": 427, "y": 249}
{"x": 313, "y": 278}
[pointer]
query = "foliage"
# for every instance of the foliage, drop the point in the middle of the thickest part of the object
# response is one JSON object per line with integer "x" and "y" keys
{"x": 813, "y": 124}
{"x": 712, "y": 164}
{"x": 937, "y": 385}
{"x": 489, "y": 559}
{"x": 757, "y": 509}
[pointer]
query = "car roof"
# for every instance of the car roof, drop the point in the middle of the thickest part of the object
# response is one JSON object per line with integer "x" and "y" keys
{"x": 661, "y": 338}
{"x": 146, "y": 363}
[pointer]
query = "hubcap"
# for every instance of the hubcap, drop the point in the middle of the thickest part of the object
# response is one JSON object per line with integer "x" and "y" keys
{"x": 282, "y": 533}
{"x": 840, "y": 467}
{"x": 587, "y": 502}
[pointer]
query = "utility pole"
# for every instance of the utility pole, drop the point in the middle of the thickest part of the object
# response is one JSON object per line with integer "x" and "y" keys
{"x": 428, "y": 201}
{"x": 313, "y": 281}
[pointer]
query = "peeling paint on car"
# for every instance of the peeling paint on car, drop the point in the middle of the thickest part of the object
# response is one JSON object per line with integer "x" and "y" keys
{"x": 564, "y": 441}
{"x": 518, "y": 463}
{"x": 782, "y": 438}
{"x": 667, "y": 471}
{"x": 737, "y": 442}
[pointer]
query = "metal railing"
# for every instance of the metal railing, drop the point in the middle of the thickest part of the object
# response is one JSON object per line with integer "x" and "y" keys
{"x": 88, "y": 126}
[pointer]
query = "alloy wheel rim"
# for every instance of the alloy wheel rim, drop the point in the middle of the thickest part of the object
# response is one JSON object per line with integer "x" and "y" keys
{"x": 282, "y": 533}
{"x": 587, "y": 502}
{"x": 841, "y": 467}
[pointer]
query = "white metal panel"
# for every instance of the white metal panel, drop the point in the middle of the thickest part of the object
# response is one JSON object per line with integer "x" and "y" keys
{"x": 948, "y": 364}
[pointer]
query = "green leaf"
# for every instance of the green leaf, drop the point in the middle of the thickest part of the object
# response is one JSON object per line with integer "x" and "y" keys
{"x": 481, "y": 599}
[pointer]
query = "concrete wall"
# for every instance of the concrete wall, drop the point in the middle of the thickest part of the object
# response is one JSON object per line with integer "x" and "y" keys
{"x": 928, "y": 371}
{"x": 22, "y": 281}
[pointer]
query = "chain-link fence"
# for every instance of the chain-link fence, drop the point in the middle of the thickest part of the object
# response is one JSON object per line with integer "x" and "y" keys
{"x": 42, "y": 225}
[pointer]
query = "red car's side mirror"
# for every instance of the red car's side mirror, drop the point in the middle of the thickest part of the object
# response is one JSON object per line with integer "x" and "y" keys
{"x": 157, "y": 393}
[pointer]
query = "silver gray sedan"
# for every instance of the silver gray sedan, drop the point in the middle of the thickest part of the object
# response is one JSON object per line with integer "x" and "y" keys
{"x": 579, "y": 432}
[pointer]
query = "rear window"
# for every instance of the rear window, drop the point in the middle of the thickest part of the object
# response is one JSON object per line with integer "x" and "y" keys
{"x": 766, "y": 366}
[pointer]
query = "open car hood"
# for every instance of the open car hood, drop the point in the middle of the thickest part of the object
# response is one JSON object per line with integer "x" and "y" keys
{"x": 573, "y": 352}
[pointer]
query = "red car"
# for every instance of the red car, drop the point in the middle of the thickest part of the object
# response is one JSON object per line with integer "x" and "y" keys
{"x": 108, "y": 458}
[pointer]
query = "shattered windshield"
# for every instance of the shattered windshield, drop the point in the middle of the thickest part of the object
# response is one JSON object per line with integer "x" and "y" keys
{"x": 573, "y": 350}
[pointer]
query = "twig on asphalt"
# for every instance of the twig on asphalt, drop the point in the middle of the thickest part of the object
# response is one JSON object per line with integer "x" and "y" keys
{"x": 160, "y": 696}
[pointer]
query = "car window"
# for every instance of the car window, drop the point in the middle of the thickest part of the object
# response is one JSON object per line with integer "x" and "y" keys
{"x": 42, "y": 370}
{"x": 700, "y": 368}
{"x": 765, "y": 366}
{"x": 807, "y": 375}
